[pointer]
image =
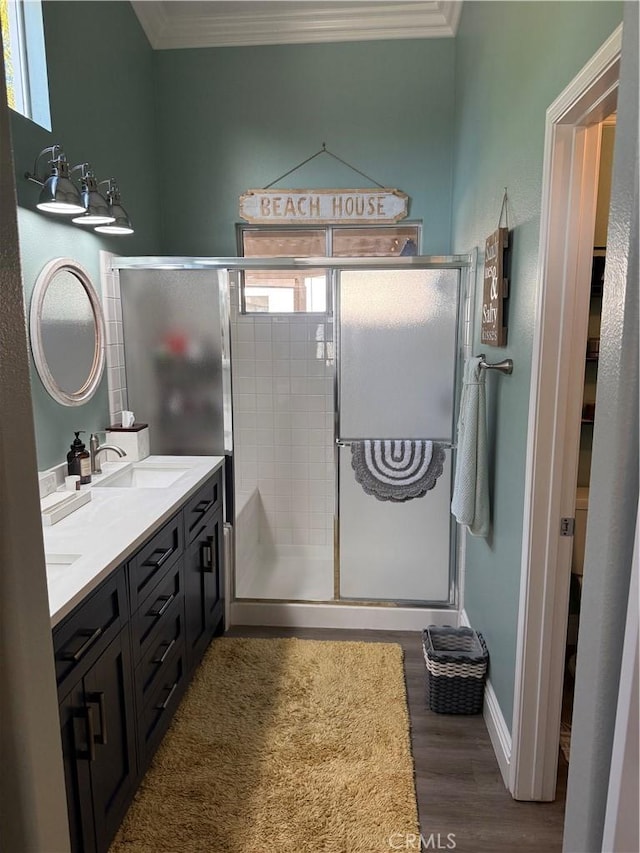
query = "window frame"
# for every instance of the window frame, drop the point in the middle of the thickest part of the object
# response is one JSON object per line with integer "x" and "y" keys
{"x": 329, "y": 228}
{"x": 29, "y": 79}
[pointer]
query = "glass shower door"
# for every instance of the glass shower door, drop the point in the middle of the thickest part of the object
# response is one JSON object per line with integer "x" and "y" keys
{"x": 396, "y": 336}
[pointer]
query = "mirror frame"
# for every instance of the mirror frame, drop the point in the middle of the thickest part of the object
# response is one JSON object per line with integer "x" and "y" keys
{"x": 90, "y": 386}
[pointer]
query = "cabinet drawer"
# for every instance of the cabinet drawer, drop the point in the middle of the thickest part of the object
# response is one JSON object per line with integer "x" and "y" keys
{"x": 155, "y": 558}
{"x": 168, "y": 639}
{"x": 156, "y": 610}
{"x": 162, "y": 703}
{"x": 81, "y": 638}
{"x": 208, "y": 498}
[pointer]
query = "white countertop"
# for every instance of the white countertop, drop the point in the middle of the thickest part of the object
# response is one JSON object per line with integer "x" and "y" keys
{"x": 83, "y": 548}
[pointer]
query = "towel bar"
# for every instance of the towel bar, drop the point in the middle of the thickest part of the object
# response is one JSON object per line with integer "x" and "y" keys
{"x": 504, "y": 366}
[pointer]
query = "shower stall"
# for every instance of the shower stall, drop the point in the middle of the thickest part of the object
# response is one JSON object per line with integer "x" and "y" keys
{"x": 307, "y": 544}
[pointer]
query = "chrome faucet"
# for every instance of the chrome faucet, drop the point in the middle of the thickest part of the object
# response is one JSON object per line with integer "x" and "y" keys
{"x": 95, "y": 449}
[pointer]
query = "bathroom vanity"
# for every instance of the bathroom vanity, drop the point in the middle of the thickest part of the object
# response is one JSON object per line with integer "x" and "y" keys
{"x": 136, "y": 589}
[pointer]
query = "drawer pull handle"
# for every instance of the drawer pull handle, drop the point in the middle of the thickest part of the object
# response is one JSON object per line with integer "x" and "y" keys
{"x": 91, "y": 740}
{"x": 207, "y": 555}
{"x": 92, "y": 635}
{"x": 203, "y": 506}
{"x": 171, "y": 690}
{"x": 165, "y": 654}
{"x": 167, "y": 601}
{"x": 164, "y": 556}
{"x": 98, "y": 697}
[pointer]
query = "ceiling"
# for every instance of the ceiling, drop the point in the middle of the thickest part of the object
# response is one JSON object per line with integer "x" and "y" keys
{"x": 217, "y": 23}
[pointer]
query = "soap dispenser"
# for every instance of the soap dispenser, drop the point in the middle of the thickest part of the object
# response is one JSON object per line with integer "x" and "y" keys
{"x": 79, "y": 460}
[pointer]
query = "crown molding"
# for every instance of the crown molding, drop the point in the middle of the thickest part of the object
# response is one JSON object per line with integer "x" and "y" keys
{"x": 172, "y": 25}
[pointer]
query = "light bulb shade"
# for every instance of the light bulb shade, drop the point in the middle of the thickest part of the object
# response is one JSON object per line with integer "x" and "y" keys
{"x": 96, "y": 208}
{"x": 59, "y": 195}
{"x": 121, "y": 223}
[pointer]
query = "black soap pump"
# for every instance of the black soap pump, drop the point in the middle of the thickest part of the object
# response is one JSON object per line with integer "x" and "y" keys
{"x": 79, "y": 460}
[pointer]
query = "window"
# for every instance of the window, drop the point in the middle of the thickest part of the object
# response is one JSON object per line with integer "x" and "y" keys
{"x": 25, "y": 62}
{"x": 306, "y": 291}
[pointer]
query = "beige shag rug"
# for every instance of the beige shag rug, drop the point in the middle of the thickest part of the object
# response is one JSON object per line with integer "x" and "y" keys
{"x": 282, "y": 746}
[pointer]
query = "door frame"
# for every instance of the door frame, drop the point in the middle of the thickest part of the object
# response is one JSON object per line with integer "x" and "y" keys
{"x": 569, "y": 191}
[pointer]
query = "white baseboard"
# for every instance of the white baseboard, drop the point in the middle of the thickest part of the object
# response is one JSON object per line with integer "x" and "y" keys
{"x": 494, "y": 721}
{"x": 338, "y": 616}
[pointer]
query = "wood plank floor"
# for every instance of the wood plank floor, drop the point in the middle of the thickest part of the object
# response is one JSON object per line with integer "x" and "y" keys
{"x": 458, "y": 783}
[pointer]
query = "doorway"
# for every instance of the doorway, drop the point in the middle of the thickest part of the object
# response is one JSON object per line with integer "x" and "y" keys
{"x": 572, "y": 147}
{"x": 587, "y": 421}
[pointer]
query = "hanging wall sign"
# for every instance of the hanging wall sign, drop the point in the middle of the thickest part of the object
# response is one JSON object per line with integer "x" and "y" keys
{"x": 295, "y": 207}
{"x": 496, "y": 289}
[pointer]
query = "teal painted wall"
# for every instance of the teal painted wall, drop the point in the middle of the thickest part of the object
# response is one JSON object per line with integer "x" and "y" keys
{"x": 235, "y": 118}
{"x": 101, "y": 83}
{"x": 512, "y": 61}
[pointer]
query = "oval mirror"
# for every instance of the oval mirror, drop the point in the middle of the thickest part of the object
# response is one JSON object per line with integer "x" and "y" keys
{"x": 67, "y": 332}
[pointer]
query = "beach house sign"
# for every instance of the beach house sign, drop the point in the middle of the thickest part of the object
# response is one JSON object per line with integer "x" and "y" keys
{"x": 313, "y": 207}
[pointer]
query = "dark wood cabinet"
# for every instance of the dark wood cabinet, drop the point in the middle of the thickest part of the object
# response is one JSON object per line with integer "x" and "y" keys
{"x": 124, "y": 658}
{"x": 203, "y": 584}
{"x": 98, "y": 739}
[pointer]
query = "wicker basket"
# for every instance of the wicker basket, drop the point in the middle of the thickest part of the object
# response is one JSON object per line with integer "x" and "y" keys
{"x": 456, "y": 661}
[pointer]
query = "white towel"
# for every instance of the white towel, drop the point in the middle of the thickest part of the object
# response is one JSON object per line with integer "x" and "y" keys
{"x": 470, "y": 503}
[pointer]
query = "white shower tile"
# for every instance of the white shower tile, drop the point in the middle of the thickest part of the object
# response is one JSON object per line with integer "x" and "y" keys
{"x": 316, "y": 436}
{"x": 317, "y": 454}
{"x": 266, "y": 470}
{"x": 244, "y": 385}
{"x": 245, "y": 349}
{"x": 298, "y": 385}
{"x": 267, "y": 487}
{"x": 246, "y": 453}
{"x": 298, "y": 331}
{"x": 246, "y": 420}
{"x": 300, "y": 537}
{"x": 264, "y": 368}
{"x": 264, "y": 384}
{"x": 300, "y": 520}
{"x": 245, "y": 329}
{"x": 299, "y": 403}
{"x": 280, "y": 331}
{"x": 283, "y": 453}
{"x": 282, "y": 503}
{"x": 283, "y": 470}
{"x": 244, "y": 403}
{"x": 263, "y": 331}
{"x": 282, "y": 420}
{"x": 263, "y": 350}
{"x": 246, "y": 437}
{"x": 282, "y": 368}
{"x": 283, "y": 536}
{"x": 315, "y": 368}
{"x": 299, "y": 367}
{"x": 280, "y": 350}
{"x": 316, "y": 404}
{"x": 300, "y": 437}
{"x": 317, "y": 537}
{"x": 264, "y": 437}
{"x": 245, "y": 367}
{"x": 298, "y": 350}
{"x": 266, "y": 454}
{"x": 316, "y": 471}
{"x": 318, "y": 520}
{"x": 283, "y": 487}
{"x": 283, "y": 436}
{"x": 264, "y": 402}
{"x": 300, "y": 420}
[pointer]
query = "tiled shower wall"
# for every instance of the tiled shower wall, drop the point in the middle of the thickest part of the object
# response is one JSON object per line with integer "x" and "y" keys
{"x": 283, "y": 403}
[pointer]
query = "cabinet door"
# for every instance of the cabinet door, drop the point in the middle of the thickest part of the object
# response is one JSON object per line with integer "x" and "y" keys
{"x": 76, "y": 724}
{"x": 109, "y": 698}
{"x": 203, "y": 587}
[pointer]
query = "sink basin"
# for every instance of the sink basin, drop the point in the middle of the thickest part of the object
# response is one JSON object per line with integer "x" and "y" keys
{"x": 143, "y": 477}
{"x": 57, "y": 564}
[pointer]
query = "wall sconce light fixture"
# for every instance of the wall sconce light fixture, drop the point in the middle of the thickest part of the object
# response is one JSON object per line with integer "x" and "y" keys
{"x": 87, "y": 205}
{"x": 120, "y": 222}
{"x": 96, "y": 209}
{"x": 58, "y": 194}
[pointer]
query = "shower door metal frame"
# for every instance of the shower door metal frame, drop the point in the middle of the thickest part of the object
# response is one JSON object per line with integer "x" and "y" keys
{"x": 465, "y": 264}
